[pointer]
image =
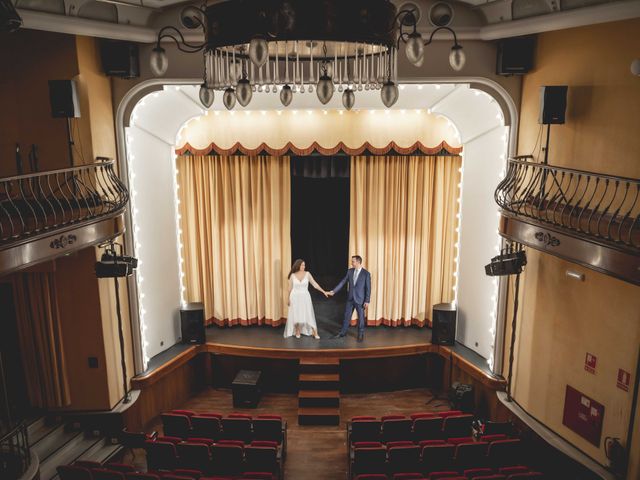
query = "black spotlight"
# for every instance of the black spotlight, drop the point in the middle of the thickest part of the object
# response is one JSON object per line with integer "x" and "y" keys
{"x": 112, "y": 265}
{"x": 10, "y": 21}
{"x": 509, "y": 263}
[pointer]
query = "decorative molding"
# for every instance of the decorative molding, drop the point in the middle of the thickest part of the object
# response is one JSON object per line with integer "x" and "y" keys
{"x": 63, "y": 241}
{"x": 290, "y": 148}
{"x": 548, "y": 239}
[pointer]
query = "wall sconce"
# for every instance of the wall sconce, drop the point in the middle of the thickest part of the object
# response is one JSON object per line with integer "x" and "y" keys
{"x": 575, "y": 275}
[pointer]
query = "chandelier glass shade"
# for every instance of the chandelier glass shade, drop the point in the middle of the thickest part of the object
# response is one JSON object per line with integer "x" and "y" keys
{"x": 298, "y": 46}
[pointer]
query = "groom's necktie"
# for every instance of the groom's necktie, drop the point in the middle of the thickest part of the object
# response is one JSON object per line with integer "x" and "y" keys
{"x": 355, "y": 276}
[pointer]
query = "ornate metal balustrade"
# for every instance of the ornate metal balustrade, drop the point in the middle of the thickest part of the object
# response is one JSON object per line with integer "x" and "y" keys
{"x": 43, "y": 202}
{"x": 601, "y": 207}
{"x": 15, "y": 456}
{"x": 586, "y": 217}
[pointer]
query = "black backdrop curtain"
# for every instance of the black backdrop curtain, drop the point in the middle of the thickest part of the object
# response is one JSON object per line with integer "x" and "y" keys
{"x": 320, "y": 215}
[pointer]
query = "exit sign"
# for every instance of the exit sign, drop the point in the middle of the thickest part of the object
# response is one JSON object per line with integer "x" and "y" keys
{"x": 590, "y": 363}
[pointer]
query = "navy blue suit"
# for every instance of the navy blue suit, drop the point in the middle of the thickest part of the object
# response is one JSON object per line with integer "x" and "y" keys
{"x": 358, "y": 294}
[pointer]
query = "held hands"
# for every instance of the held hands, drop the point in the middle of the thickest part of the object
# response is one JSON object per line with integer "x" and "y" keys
{"x": 330, "y": 294}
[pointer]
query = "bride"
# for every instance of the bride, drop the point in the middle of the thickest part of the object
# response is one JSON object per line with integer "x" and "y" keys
{"x": 301, "y": 319}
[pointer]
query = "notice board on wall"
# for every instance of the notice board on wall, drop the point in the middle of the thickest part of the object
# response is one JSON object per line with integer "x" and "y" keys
{"x": 583, "y": 415}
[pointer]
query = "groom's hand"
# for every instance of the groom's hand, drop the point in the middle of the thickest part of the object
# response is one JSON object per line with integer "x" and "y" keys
{"x": 365, "y": 305}
{"x": 330, "y": 294}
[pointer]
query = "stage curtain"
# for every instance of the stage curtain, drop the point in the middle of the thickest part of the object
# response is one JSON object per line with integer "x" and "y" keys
{"x": 403, "y": 223}
{"x": 40, "y": 334}
{"x": 235, "y": 222}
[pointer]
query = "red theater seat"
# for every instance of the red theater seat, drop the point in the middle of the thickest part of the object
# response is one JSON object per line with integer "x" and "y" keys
{"x": 240, "y": 415}
{"x": 237, "y": 428}
{"x": 504, "y": 453}
{"x": 188, "y": 413}
{"x": 161, "y": 455}
{"x": 166, "y": 439}
{"x": 74, "y": 472}
{"x": 443, "y": 474}
{"x": 437, "y": 458}
{"x": 457, "y": 425}
{"x": 449, "y": 413}
{"x": 202, "y": 441}
{"x": 369, "y": 460}
{"x": 422, "y": 443}
{"x": 120, "y": 467}
{"x": 361, "y": 418}
{"x": 268, "y": 429}
{"x": 415, "y": 416}
{"x": 459, "y": 440}
{"x": 365, "y": 431}
{"x": 395, "y": 429}
{"x": 476, "y": 472}
{"x": 227, "y": 459}
{"x": 404, "y": 458}
{"x": 427, "y": 428}
{"x": 194, "y": 455}
{"x": 104, "y": 474}
{"x": 205, "y": 427}
{"x": 392, "y": 417}
{"x": 261, "y": 459}
{"x": 400, "y": 443}
{"x": 468, "y": 455}
{"x": 176, "y": 425}
{"x": 368, "y": 445}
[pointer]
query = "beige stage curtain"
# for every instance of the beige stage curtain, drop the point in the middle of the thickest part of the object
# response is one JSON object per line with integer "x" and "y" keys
{"x": 403, "y": 223}
{"x": 41, "y": 345}
{"x": 235, "y": 221}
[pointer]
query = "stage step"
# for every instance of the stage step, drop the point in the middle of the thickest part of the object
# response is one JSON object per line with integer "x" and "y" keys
{"x": 319, "y": 398}
{"x": 318, "y": 416}
{"x": 319, "y": 391}
{"x": 319, "y": 365}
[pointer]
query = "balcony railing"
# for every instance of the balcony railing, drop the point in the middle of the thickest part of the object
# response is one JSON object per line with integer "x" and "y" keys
{"x": 600, "y": 208}
{"x": 15, "y": 456}
{"x": 41, "y": 203}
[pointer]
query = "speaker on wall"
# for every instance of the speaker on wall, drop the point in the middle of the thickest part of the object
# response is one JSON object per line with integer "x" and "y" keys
{"x": 553, "y": 103}
{"x": 64, "y": 99}
{"x": 192, "y": 323}
{"x": 515, "y": 55}
{"x": 120, "y": 59}
{"x": 443, "y": 330}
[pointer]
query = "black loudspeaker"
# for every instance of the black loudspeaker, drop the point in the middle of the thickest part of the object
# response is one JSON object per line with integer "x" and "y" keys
{"x": 462, "y": 397}
{"x": 63, "y": 99}
{"x": 553, "y": 103}
{"x": 443, "y": 330}
{"x": 120, "y": 59}
{"x": 192, "y": 323}
{"x": 515, "y": 55}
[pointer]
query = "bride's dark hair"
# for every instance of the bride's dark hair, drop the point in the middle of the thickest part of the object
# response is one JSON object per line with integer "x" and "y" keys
{"x": 295, "y": 267}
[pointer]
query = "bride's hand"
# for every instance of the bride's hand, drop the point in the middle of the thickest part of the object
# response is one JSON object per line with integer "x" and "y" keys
{"x": 326, "y": 294}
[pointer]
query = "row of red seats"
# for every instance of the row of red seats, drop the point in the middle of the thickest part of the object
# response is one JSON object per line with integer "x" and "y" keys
{"x": 83, "y": 470}
{"x": 506, "y": 473}
{"x": 433, "y": 456}
{"x": 417, "y": 427}
{"x": 235, "y": 426}
{"x": 223, "y": 457}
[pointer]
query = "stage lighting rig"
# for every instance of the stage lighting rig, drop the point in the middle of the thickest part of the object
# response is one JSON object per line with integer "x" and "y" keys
{"x": 112, "y": 265}
{"x": 509, "y": 263}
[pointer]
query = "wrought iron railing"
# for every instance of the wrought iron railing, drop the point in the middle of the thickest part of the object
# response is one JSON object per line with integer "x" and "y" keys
{"x": 43, "y": 202}
{"x": 595, "y": 206}
{"x": 15, "y": 456}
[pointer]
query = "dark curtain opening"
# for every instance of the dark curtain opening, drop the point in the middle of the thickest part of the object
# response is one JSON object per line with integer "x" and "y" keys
{"x": 320, "y": 215}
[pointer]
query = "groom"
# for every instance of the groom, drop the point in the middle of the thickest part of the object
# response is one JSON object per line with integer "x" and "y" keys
{"x": 358, "y": 296}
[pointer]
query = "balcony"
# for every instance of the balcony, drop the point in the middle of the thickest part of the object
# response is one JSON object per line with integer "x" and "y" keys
{"x": 584, "y": 217}
{"x": 48, "y": 214}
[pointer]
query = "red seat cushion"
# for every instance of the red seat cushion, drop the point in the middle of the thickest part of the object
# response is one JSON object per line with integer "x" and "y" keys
{"x": 367, "y": 444}
{"x": 188, "y": 413}
{"x": 449, "y": 413}
{"x": 393, "y": 417}
{"x": 413, "y": 416}
{"x": 240, "y": 415}
{"x": 238, "y": 443}
{"x": 431, "y": 442}
{"x": 443, "y": 474}
{"x": 264, "y": 443}
{"x": 211, "y": 415}
{"x": 459, "y": 440}
{"x": 205, "y": 441}
{"x": 400, "y": 443}
{"x": 494, "y": 437}
{"x": 174, "y": 440}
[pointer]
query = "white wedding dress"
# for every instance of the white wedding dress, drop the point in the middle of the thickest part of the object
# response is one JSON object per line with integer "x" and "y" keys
{"x": 300, "y": 306}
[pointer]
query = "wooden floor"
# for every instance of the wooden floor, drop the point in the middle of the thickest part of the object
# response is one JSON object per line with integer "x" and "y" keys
{"x": 314, "y": 452}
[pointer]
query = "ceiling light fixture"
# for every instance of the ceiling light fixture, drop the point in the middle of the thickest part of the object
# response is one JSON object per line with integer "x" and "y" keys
{"x": 297, "y": 46}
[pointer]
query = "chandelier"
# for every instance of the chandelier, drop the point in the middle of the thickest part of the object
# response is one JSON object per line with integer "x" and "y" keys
{"x": 291, "y": 47}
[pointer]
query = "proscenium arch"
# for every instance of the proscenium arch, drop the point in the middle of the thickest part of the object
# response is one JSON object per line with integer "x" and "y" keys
{"x": 177, "y": 120}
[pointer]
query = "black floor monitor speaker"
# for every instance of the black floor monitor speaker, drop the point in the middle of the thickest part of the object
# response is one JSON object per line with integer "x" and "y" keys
{"x": 120, "y": 59}
{"x": 515, "y": 55}
{"x": 192, "y": 323}
{"x": 443, "y": 330}
{"x": 553, "y": 103}
{"x": 64, "y": 99}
